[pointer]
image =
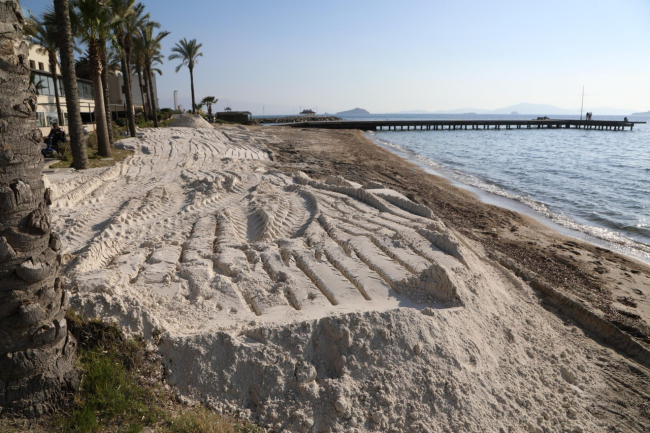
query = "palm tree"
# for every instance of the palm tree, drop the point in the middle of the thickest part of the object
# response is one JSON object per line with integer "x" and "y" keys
{"x": 150, "y": 46}
{"x": 95, "y": 20}
{"x": 209, "y": 101}
{"x": 132, "y": 18}
{"x": 188, "y": 52}
{"x": 47, "y": 40}
{"x": 37, "y": 353}
{"x": 137, "y": 66}
{"x": 103, "y": 49}
{"x": 61, "y": 15}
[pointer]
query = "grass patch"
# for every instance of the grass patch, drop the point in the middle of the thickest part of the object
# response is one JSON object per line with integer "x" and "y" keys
{"x": 163, "y": 123}
{"x": 122, "y": 391}
{"x": 95, "y": 160}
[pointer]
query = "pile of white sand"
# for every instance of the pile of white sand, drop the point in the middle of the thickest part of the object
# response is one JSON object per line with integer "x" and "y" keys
{"x": 190, "y": 121}
{"x": 311, "y": 305}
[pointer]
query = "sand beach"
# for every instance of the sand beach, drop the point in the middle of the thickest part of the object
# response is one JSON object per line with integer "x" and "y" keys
{"x": 309, "y": 280}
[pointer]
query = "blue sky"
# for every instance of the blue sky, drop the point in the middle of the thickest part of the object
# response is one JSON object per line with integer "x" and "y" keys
{"x": 389, "y": 56}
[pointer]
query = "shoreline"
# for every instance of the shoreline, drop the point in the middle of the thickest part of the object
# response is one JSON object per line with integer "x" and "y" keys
{"x": 594, "y": 276}
{"x": 626, "y": 246}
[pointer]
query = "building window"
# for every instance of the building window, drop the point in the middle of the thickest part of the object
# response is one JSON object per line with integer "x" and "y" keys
{"x": 40, "y": 119}
{"x": 85, "y": 90}
{"x": 40, "y": 66}
{"x": 45, "y": 119}
{"x": 32, "y": 64}
{"x": 51, "y": 118}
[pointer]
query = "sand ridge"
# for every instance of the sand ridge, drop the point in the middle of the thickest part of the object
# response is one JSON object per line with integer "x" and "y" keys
{"x": 311, "y": 305}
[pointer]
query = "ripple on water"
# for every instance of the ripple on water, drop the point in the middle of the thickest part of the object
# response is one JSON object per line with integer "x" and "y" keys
{"x": 592, "y": 181}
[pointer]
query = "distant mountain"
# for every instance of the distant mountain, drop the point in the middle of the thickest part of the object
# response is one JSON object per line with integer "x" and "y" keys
{"x": 463, "y": 111}
{"x": 526, "y": 108}
{"x": 645, "y": 113}
{"x": 353, "y": 111}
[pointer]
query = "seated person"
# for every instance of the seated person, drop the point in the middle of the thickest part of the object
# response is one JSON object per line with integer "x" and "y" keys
{"x": 57, "y": 135}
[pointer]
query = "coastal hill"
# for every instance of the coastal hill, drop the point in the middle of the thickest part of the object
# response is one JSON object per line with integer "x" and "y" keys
{"x": 353, "y": 111}
{"x": 526, "y": 108}
{"x": 645, "y": 113}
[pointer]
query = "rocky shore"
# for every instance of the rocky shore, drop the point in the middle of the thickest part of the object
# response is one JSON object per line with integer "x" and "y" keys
{"x": 294, "y": 119}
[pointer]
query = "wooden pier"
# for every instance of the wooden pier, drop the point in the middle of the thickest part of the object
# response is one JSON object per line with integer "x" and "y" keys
{"x": 439, "y": 125}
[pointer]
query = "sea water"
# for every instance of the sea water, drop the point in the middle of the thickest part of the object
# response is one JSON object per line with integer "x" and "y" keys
{"x": 593, "y": 182}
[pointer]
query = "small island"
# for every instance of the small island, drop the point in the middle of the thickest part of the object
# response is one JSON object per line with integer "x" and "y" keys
{"x": 353, "y": 111}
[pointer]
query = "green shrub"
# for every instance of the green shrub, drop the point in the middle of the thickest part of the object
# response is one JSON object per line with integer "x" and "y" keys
{"x": 119, "y": 128}
{"x": 91, "y": 141}
{"x": 65, "y": 151}
{"x": 165, "y": 113}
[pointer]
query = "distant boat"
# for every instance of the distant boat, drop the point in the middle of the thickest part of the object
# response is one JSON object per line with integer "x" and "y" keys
{"x": 306, "y": 112}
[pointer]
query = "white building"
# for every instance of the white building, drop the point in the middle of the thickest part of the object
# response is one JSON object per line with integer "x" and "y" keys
{"x": 46, "y": 111}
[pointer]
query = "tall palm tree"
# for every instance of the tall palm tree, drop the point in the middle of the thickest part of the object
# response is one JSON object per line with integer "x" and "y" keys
{"x": 137, "y": 68}
{"x": 103, "y": 49}
{"x": 209, "y": 101}
{"x": 188, "y": 52}
{"x": 95, "y": 21}
{"x": 37, "y": 353}
{"x": 61, "y": 16}
{"x": 150, "y": 46}
{"x": 46, "y": 39}
{"x": 132, "y": 19}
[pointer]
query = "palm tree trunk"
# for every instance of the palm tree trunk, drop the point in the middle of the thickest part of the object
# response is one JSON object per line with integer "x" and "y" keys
{"x": 107, "y": 95}
{"x": 57, "y": 100}
{"x": 130, "y": 113}
{"x": 69, "y": 78}
{"x": 144, "y": 102}
{"x": 192, "y": 84}
{"x": 152, "y": 96}
{"x": 37, "y": 354}
{"x": 103, "y": 144}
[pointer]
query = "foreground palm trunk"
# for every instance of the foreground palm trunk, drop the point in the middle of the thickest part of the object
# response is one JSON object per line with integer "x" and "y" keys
{"x": 103, "y": 144}
{"x": 69, "y": 79}
{"x": 37, "y": 364}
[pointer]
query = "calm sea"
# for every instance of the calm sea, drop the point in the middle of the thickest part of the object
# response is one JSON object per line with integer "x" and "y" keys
{"x": 596, "y": 183}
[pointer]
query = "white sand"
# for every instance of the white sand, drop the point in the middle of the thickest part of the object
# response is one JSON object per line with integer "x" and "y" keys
{"x": 311, "y": 305}
{"x": 190, "y": 121}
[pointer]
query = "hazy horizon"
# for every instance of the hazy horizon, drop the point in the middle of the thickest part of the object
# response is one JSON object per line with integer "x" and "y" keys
{"x": 413, "y": 55}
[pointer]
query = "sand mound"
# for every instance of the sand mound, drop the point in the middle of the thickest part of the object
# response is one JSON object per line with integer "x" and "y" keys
{"x": 310, "y": 305}
{"x": 190, "y": 121}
